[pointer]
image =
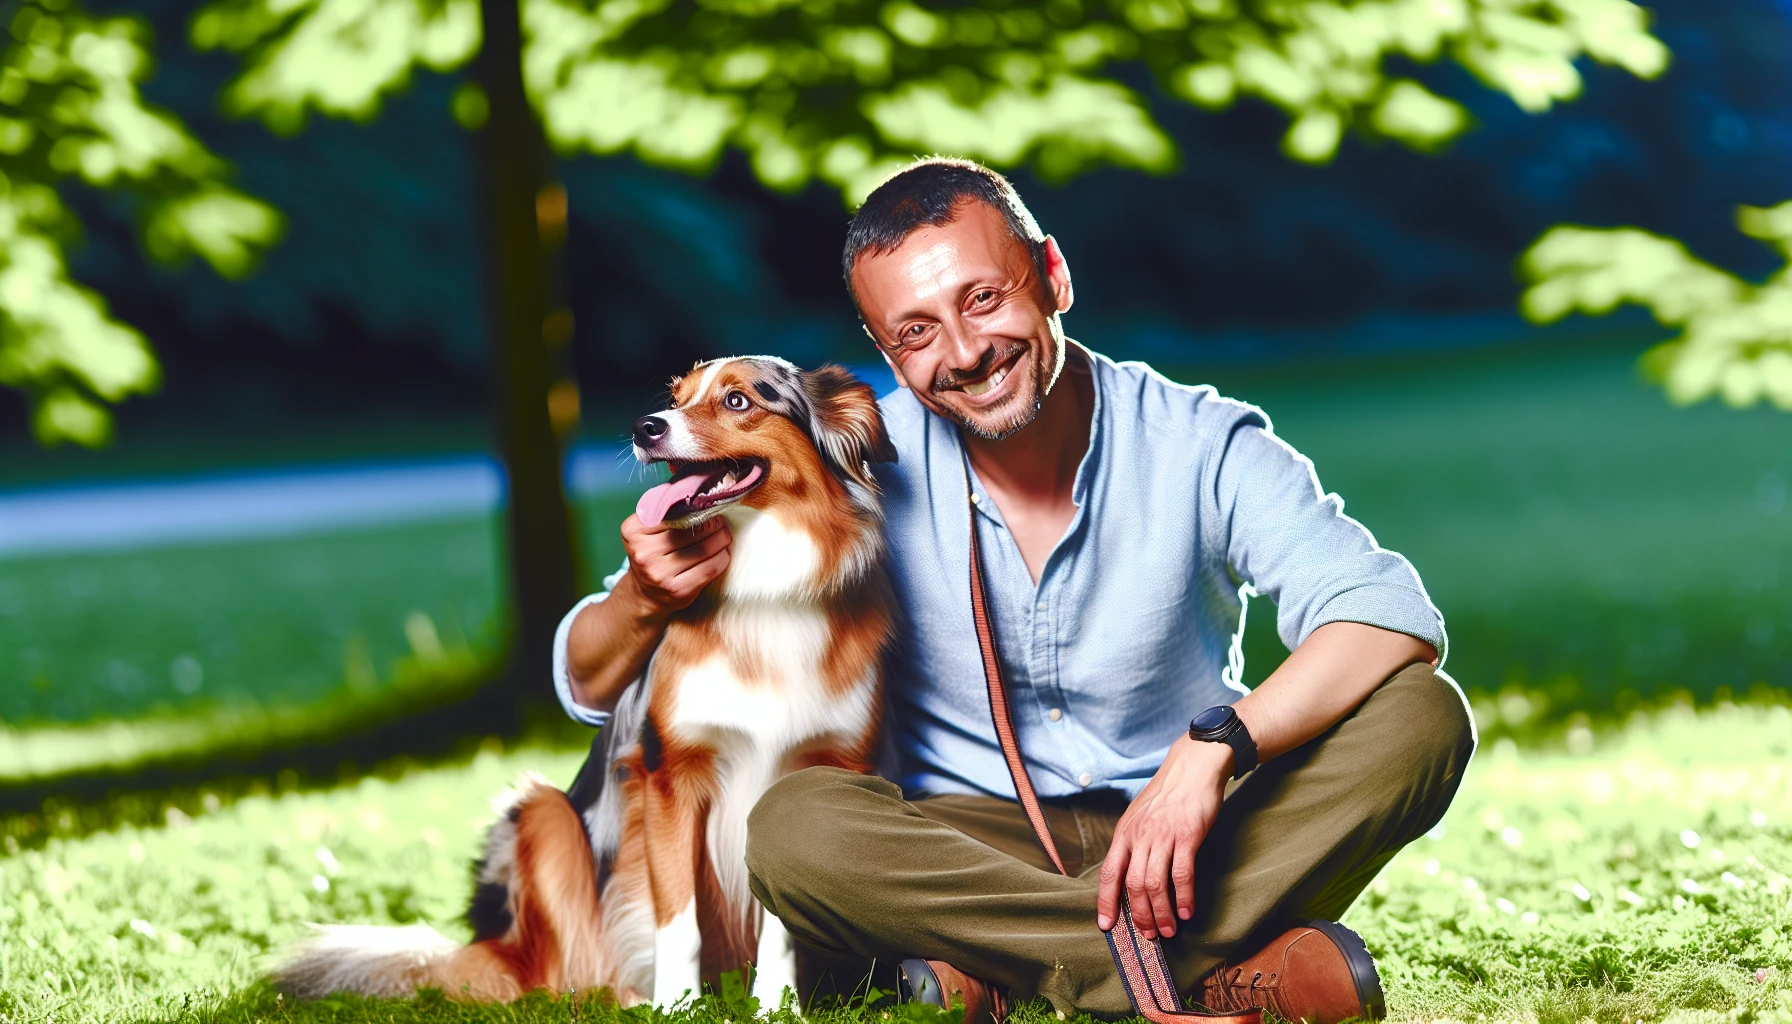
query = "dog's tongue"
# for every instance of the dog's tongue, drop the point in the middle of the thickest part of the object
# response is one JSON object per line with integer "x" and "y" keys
{"x": 654, "y": 505}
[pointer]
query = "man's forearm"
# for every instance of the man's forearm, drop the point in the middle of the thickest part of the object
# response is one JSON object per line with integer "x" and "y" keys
{"x": 609, "y": 644}
{"x": 1325, "y": 678}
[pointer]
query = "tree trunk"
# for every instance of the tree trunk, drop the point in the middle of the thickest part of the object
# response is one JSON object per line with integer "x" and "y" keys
{"x": 517, "y": 205}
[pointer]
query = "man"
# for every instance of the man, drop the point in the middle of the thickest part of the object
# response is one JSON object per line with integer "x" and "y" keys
{"x": 1122, "y": 519}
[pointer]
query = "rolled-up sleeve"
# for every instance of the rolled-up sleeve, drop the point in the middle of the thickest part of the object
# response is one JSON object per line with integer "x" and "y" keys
{"x": 562, "y": 674}
{"x": 1292, "y": 542}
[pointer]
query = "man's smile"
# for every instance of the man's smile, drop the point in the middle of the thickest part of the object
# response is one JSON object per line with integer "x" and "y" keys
{"x": 990, "y": 389}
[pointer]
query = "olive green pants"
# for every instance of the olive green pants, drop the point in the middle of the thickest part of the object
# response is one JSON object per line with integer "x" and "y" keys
{"x": 859, "y": 874}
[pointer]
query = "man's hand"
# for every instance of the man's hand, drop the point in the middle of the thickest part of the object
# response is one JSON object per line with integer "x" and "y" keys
{"x": 1153, "y": 854}
{"x": 670, "y": 567}
{"x": 610, "y": 641}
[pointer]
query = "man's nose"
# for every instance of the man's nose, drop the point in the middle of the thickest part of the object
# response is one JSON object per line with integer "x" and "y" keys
{"x": 649, "y": 429}
{"x": 964, "y": 350}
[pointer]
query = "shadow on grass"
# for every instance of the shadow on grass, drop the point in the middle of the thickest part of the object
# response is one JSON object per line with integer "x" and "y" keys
{"x": 158, "y": 771}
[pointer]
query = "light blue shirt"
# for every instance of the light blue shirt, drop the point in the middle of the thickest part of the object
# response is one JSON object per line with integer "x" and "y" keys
{"x": 1186, "y": 502}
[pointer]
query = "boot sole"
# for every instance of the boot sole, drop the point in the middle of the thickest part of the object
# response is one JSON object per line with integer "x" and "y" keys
{"x": 1362, "y": 967}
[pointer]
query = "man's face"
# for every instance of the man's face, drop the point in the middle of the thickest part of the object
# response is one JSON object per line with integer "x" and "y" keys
{"x": 961, "y": 315}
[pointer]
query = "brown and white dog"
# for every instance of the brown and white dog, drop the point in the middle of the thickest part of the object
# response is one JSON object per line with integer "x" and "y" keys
{"x": 636, "y": 881}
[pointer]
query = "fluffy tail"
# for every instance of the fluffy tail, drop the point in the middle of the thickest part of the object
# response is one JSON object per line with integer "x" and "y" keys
{"x": 369, "y": 960}
{"x": 535, "y": 915}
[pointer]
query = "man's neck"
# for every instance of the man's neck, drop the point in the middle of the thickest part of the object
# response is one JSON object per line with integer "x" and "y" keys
{"x": 1038, "y": 463}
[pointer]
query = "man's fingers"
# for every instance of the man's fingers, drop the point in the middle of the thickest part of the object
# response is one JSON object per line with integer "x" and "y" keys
{"x": 700, "y": 575}
{"x": 704, "y": 534}
{"x": 1137, "y": 892}
{"x": 1113, "y": 875}
{"x": 1182, "y": 878}
{"x": 1157, "y": 887}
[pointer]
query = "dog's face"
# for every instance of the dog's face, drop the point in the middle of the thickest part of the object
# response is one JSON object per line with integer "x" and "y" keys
{"x": 756, "y": 430}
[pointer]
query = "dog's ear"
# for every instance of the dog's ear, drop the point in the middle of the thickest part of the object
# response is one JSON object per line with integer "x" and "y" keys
{"x": 846, "y": 423}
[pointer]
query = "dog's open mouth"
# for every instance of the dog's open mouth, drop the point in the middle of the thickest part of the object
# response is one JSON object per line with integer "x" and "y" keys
{"x": 696, "y": 486}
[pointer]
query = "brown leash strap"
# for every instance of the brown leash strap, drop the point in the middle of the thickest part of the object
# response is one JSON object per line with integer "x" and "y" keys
{"x": 1141, "y": 961}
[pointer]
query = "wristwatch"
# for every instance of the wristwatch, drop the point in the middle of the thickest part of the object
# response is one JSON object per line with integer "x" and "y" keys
{"x": 1222, "y": 725}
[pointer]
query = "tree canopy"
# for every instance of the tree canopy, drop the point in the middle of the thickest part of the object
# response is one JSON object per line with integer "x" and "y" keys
{"x": 842, "y": 90}
{"x": 1735, "y": 336}
{"x": 71, "y": 114}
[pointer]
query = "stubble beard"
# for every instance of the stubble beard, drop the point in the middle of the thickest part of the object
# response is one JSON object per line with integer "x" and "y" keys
{"x": 1018, "y": 412}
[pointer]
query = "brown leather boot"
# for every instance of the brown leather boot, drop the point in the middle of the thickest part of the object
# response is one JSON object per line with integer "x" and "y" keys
{"x": 1321, "y": 974}
{"x": 938, "y": 983}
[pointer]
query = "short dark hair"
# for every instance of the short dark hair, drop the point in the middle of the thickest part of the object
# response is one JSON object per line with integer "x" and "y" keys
{"x": 928, "y": 193}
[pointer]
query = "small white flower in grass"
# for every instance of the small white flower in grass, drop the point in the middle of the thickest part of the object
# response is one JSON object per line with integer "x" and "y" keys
{"x": 1506, "y": 906}
{"x": 1735, "y": 882}
{"x": 1581, "y": 893}
{"x": 320, "y": 883}
{"x": 143, "y": 928}
{"x": 328, "y": 860}
{"x": 1430, "y": 867}
{"x": 1511, "y": 837}
{"x": 1530, "y": 917}
{"x": 1436, "y": 833}
{"x": 1690, "y": 887}
{"x": 1630, "y": 897}
{"x": 1689, "y": 839}
{"x": 1757, "y": 819}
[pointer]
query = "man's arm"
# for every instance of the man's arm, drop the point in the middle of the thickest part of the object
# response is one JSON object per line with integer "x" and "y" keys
{"x": 1153, "y": 854}
{"x": 1352, "y": 613}
{"x": 610, "y": 641}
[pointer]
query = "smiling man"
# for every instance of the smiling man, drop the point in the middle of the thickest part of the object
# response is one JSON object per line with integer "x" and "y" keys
{"x": 1122, "y": 519}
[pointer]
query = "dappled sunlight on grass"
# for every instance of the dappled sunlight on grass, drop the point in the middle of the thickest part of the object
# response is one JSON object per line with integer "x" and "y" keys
{"x": 1644, "y": 878}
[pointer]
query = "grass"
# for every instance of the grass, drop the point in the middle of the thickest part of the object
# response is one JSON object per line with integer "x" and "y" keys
{"x": 252, "y": 627}
{"x": 1639, "y": 876}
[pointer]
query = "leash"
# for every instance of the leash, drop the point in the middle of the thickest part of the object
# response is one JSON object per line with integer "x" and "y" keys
{"x": 1143, "y": 969}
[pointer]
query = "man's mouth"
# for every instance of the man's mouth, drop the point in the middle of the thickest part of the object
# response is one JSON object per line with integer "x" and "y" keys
{"x": 697, "y": 486}
{"x": 996, "y": 378}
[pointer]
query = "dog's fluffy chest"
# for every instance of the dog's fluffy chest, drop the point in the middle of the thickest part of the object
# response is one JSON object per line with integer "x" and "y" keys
{"x": 765, "y": 682}
{"x": 762, "y": 675}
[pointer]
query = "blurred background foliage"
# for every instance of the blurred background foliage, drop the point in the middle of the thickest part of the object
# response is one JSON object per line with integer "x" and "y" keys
{"x": 71, "y": 112}
{"x": 1735, "y": 335}
{"x": 1592, "y": 546}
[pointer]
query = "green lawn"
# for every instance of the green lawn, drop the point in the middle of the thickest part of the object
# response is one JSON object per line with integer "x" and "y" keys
{"x": 273, "y": 622}
{"x": 1643, "y": 878}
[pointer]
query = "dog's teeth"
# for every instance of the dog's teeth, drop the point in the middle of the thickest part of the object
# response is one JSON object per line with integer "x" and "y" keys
{"x": 727, "y": 482}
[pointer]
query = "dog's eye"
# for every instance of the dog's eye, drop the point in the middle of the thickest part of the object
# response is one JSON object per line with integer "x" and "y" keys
{"x": 736, "y": 401}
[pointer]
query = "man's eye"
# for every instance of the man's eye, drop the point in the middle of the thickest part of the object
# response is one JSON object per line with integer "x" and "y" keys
{"x": 986, "y": 295}
{"x": 736, "y": 401}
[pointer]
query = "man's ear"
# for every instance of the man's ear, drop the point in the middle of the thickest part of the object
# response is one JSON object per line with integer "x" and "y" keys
{"x": 846, "y": 423}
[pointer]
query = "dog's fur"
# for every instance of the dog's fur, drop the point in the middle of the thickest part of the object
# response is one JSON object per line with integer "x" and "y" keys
{"x": 642, "y": 887}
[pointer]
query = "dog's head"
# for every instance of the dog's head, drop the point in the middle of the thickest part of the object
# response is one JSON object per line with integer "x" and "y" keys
{"x": 754, "y": 430}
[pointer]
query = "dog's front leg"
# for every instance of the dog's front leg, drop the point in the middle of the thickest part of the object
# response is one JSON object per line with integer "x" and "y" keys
{"x": 774, "y": 968}
{"x": 674, "y": 827}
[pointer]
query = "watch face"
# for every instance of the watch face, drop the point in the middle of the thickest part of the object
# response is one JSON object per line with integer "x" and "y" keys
{"x": 1211, "y": 719}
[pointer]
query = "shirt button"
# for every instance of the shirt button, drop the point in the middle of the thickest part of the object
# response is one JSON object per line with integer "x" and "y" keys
{"x": 1040, "y": 606}
{"x": 1084, "y": 780}
{"x": 975, "y": 500}
{"x": 1055, "y": 714}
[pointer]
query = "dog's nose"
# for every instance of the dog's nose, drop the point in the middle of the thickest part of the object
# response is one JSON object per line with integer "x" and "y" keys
{"x": 649, "y": 429}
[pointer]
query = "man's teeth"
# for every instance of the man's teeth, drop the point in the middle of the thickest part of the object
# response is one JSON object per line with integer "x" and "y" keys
{"x": 992, "y": 381}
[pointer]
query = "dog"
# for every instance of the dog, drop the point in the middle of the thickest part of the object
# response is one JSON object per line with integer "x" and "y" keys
{"x": 636, "y": 879}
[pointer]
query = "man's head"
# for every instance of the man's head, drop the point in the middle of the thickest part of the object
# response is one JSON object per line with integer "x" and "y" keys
{"x": 961, "y": 291}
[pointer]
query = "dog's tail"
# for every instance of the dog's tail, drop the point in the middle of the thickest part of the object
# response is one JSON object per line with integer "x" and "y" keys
{"x": 535, "y": 917}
